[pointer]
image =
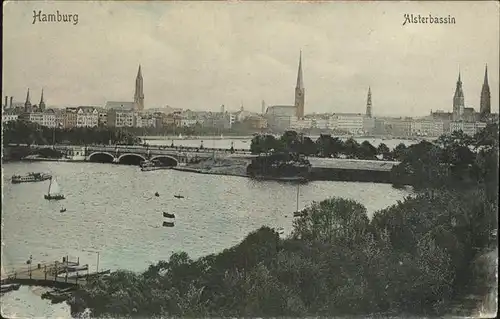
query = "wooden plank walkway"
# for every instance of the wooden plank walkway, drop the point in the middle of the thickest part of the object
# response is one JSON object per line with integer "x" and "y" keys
{"x": 45, "y": 275}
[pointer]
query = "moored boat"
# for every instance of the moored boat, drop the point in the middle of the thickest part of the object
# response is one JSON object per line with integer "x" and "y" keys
{"x": 30, "y": 177}
{"x": 168, "y": 224}
{"x": 9, "y": 287}
{"x": 152, "y": 166}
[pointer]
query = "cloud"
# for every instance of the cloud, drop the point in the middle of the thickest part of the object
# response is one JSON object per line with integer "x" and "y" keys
{"x": 200, "y": 55}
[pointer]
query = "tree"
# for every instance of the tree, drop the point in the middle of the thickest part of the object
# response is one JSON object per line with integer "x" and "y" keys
{"x": 351, "y": 148}
{"x": 399, "y": 152}
{"x": 308, "y": 147}
{"x": 367, "y": 151}
{"x": 330, "y": 220}
{"x": 383, "y": 150}
{"x": 290, "y": 141}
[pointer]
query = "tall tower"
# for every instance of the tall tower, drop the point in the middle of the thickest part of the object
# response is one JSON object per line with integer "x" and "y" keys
{"x": 485, "y": 103}
{"x": 300, "y": 91}
{"x": 458, "y": 101}
{"x": 27, "y": 104}
{"x": 42, "y": 103}
{"x": 369, "y": 103}
{"x": 139, "y": 91}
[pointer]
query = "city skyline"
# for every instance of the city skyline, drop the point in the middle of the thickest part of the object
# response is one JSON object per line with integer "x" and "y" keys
{"x": 201, "y": 64}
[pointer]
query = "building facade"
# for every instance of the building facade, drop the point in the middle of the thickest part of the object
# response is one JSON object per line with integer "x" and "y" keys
{"x": 469, "y": 128}
{"x": 427, "y": 127}
{"x": 70, "y": 118}
{"x": 281, "y": 117}
{"x": 87, "y": 116}
{"x": 121, "y": 118}
{"x": 8, "y": 116}
{"x": 351, "y": 123}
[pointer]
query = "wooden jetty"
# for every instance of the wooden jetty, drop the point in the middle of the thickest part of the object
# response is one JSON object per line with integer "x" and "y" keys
{"x": 49, "y": 275}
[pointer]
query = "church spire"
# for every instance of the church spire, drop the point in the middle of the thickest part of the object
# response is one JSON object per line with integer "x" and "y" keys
{"x": 485, "y": 102}
{"x": 300, "y": 91}
{"x": 369, "y": 103}
{"x": 139, "y": 91}
{"x": 27, "y": 104}
{"x": 458, "y": 100}
{"x": 300, "y": 83}
{"x": 486, "y": 75}
{"x": 42, "y": 103}
{"x": 27, "y": 97}
{"x": 139, "y": 73}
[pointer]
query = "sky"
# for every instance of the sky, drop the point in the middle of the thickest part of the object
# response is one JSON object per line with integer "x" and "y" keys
{"x": 200, "y": 55}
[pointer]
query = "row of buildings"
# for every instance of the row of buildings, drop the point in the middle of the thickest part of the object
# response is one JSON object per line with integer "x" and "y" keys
{"x": 284, "y": 117}
{"x": 276, "y": 118}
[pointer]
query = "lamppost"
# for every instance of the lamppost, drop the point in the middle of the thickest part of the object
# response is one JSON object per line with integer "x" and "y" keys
{"x": 98, "y": 253}
{"x": 29, "y": 264}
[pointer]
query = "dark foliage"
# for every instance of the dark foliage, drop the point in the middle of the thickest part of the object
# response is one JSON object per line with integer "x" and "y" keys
{"x": 416, "y": 257}
{"x": 23, "y": 132}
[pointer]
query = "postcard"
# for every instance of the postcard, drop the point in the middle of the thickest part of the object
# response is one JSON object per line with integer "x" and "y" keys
{"x": 249, "y": 159}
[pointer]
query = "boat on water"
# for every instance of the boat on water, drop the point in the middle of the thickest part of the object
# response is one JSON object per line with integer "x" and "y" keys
{"x": 9, "y": 287}
{"x": 178, "y": 196}
{"x": 168, "y": 215}
{"x": 54, "y": 192}
{"x": 157, "y": 194}
{"x": 168, "y": 224}
{"x": 152, "y": 166}
{"x": 62, "y": 210}
{"x": 30, "y": 177}
{"x": 77, "y": 268}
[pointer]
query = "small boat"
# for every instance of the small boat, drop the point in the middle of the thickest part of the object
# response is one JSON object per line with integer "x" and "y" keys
{"x": 9, "y": 287}
{"x": 54, "y": 192}
{"x": 299, "y": 214}
{"x": 168, "y": 215}
{"x": 63, "y": 210}
{"x": 77, "y": 268}
{"x": 157, "y": 195}
{"x": 178, "y": 196}
{"x": 152, "y": 166}
{"x": 168, "y": 224}
{"x": 31, "y": 177}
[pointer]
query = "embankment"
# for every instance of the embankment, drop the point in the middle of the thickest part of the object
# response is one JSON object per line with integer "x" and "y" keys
{"x": 323, "y": 169}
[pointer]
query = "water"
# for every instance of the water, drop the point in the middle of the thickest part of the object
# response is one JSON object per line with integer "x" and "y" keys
{"x": 112, "y": 209}
{"x": 244, "y": 142}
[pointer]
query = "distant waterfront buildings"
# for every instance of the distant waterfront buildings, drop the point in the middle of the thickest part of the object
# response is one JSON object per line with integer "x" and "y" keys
{"x": 275, "y": 118}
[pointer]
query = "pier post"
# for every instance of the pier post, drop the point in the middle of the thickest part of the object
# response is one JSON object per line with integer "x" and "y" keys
{"x": 45, "y": 271}
{"x": 55, "y": 271}
{"x": 66, "y": 277}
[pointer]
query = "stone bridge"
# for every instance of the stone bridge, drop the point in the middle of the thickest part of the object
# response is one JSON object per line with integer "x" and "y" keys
{"x": 133, "y": 155}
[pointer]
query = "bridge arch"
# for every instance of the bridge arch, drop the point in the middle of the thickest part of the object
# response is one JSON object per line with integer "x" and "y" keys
{"x": 166, "y": 160}
{"x": 131, "y": 159}
{"x": 101, "y": 157}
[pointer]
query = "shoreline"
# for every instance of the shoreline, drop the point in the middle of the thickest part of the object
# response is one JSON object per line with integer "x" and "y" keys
{"x": 343, "y": 170}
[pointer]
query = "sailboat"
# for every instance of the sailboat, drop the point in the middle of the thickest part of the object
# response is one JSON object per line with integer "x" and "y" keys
{"x": 54, "y": 191}
{"x": 298, "y": 213}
